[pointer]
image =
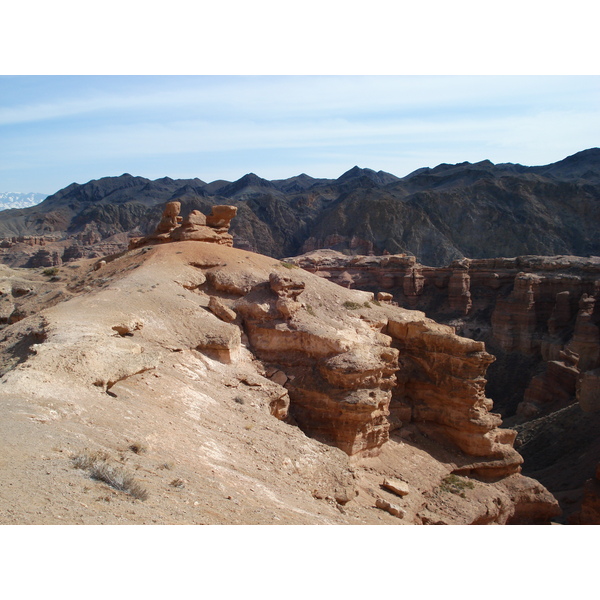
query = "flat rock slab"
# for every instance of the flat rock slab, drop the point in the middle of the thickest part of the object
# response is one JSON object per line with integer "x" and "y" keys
{"x": 396, "y": 486}
{"x": 393, "y": 509}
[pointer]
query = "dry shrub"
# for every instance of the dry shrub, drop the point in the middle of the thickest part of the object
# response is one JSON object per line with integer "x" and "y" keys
{"x": 138, "y": 447}
{"x": 96, "y": 463}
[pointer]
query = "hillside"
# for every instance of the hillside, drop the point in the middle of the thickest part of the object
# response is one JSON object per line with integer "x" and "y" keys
{"x": 449, "y": 212}
{"x": 192, "y": 382}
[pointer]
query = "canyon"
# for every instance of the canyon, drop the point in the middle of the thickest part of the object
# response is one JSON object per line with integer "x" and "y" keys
{"x": 188, "y": 381}
{"x": 439, "y": 331}
{"x": 540, "y": 319}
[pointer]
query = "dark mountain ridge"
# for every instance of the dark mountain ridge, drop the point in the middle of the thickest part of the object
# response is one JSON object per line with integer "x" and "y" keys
{"x": 478, "y": 210}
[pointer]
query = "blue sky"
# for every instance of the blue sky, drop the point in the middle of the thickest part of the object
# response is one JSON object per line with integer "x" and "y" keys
{"x": 56, "y": 130}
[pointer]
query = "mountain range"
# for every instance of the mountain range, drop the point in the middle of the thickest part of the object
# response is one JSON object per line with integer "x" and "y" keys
{"x": 475, "y": 210}
{"x": 19, "y": 200}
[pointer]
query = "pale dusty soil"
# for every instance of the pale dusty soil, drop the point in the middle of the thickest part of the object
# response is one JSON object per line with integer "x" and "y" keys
{"x": 195, "y": 433}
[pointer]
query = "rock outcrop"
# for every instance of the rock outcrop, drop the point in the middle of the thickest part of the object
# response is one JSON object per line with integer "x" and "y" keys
{"x": 195, "y": 227}
{"x": 339, "y": 371}
{"x": 441, "y": 387}
{"x": 538, "y": 315}
{"x": 44, "y": 258}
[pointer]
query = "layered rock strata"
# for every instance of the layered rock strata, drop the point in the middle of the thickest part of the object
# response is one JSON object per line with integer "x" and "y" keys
{"x": 339, "y": 372}
{"x": 336, "y": 362}
{"x": 441, "y": 388}
{"x": 544, "y": 309}
{"x": 342, "y": 374}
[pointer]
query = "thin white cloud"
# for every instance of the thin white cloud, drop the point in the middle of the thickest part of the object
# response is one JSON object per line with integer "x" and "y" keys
{"x": 297, "y": 97}
{"x": 500, "y": 135}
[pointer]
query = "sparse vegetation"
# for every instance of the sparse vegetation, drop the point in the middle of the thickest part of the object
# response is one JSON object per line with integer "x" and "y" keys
{"x": 310, "y": 310}
{"x": 456, "y": 485}
{"x": 177, "y": 483}
{"x": 351, "y": 305}
{"x": 99, "y": 468}
{"x": 367, "y": 304}
{"x": 50, "y": 272}
{"x": 287, "y": 265}
{"x": 85, "y": 460}
{"x": 239, "y": 400}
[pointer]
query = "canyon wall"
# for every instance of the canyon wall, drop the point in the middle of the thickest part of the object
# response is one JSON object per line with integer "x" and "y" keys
{"x": 542, "y": 310}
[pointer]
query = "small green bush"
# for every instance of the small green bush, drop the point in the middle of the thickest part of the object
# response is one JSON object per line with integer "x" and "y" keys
{"x": 287, "y": 265}
{"x": 50, "y": 272}
{"x": 351, "y": 305}
{"x": 456, "y": 485}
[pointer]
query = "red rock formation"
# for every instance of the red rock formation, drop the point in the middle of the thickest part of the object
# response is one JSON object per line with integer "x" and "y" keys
{"x": 339, "y": 377}
{"x": 441, "y": 384}
{"x": 44, "y": 258}
{"x": 413, "y": 283}
{"x": 554, "y": 388}
{"x": 459, "y": 294}
{"x": 514, "y": 318}
{"x": 197, "y": 227}
{"x": 586, "y": 337}
{"x": 531, "y": 300}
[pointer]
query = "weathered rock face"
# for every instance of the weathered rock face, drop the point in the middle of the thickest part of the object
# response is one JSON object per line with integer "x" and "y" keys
{"x": 459, "y": 291}
{"x": 196, "y": 227}
{"x": 538, "y": 315}
{"x": 556, "y": 387}
{"x": 339, "y": 372}
{"x": 44, "y": 258}
{"x": 514, "y": 319}
{"x": 441, "y": 387}
{"x": 342, "y": 376}
{"x": 210, "y": 332}
{"x": 538, "y": 308}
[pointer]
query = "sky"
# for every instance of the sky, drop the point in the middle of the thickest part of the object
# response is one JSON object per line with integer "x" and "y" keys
{"x": 58, "y": 129}
{"x": 218, "y": 90}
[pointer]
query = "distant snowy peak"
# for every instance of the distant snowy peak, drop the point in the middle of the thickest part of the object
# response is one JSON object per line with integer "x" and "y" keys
{"x": 18, "y": 200}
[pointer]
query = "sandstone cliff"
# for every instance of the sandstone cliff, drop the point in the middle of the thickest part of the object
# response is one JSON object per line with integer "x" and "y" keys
{"x": 538, "y": 315}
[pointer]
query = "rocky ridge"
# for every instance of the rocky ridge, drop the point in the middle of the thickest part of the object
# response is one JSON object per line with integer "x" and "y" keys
{"x": 478, "y": 210}
{"x": 262, "y": 392}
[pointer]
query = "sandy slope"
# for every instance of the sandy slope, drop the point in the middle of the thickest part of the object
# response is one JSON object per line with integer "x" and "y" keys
{"x": 112, "y": 374}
